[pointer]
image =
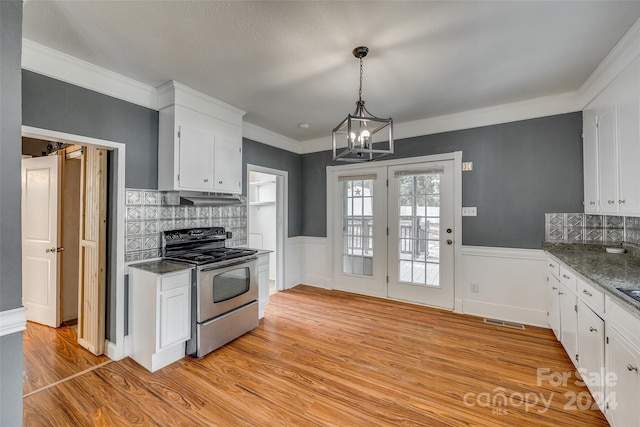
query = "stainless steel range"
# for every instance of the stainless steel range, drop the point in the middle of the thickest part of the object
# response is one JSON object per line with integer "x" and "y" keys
{"x": 224, "y": 293}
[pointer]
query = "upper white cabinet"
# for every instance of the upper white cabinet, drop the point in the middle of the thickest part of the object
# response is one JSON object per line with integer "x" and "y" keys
{"x": 199, "y": 142}
{"x": 611, "y": 147}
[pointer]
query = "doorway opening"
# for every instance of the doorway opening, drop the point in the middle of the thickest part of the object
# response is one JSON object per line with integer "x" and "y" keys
{"x": 109, "y": 335}
{"x": 266, "y": 222}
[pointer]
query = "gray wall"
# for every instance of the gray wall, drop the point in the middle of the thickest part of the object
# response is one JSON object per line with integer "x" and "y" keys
{"x": 256, "y": 153}
{"x": 521, "y": 170}
{"x": 52, "y": 104}
{"x": 11, "y": 365}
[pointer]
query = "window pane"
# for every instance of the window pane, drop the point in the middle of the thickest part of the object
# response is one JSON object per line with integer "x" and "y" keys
{"x": 405, "y": 271}
{"x": 419, "y": 273}
{"x": 358, "y": 227}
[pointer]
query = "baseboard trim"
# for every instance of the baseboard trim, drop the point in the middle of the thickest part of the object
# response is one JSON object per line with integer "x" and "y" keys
{"x": 12, "y": 321}
{"x": 504, "y": 312}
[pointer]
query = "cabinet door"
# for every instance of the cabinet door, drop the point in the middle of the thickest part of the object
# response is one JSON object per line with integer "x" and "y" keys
{"x": 174, "y": 317}
{"x": 591, "y": 350}
{"x": 569, "y": 323}
{"x": 629, "y": 148}
{"x": 228, "y": 165}
{"x": 607, "y": 164}
{"x": 623, "y": 363}
{"x": 553, "y": 304}
{"x": 590, "y": 161}
{"x": 196, "y": 159}
{"x": 263, "y": 284}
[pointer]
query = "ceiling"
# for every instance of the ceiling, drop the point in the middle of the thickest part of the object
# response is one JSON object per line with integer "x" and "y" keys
{"x": 287, "y": 62}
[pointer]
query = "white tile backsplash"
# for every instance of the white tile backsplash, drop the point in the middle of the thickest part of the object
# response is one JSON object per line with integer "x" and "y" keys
{"x": 149, "y": 213}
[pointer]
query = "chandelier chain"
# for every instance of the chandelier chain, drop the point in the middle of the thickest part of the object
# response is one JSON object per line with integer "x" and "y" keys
{"x": 360, "y": 92}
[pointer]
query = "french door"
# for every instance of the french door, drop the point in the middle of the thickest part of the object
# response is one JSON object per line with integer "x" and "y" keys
{"x": 360, "y": 218}
{"x": 420, "y": 241}
{"x": 394, "y": 232}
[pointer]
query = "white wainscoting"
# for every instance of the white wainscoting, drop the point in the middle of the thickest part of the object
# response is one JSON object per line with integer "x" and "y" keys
{"x": 511, "y": 282}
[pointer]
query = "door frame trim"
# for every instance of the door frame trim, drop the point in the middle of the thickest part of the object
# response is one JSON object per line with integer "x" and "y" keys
{"x": 282, "y": 205}
{"x": 114, "y": 350}
{"x": 456, "y": 156}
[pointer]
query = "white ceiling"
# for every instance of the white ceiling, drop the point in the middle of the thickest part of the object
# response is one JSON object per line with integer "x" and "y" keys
{"x": 286, "y": 62}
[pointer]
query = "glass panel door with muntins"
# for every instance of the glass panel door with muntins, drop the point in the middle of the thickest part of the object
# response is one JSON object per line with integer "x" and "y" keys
{"x": 360, "y": 221}
{"x": 420, "y": 241}
{"x": 419, "y": 229}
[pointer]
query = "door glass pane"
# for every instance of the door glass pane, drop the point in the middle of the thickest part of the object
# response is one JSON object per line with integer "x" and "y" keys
{"x": 357, "y": 227}
{"x": 419, "y": 229}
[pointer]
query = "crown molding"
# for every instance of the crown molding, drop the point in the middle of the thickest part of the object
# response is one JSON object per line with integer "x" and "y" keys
{"x": 265, "y": 136}
{"x": 12, "y": 321}
{"x": 622, "y": 54}
{"x": 568, "y": 102}
{"x": 60, "y": 66}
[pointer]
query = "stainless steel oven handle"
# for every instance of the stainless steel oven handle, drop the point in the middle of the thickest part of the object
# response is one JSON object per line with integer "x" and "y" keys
{"x": 231, "y": 264}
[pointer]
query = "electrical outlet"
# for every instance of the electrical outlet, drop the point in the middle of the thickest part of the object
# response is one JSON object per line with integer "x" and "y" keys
{"x": 474, "y": 288}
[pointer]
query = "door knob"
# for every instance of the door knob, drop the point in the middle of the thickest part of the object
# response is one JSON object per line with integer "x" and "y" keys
{"x": 449, "y": 242}
{"x": 448, "y": 230}
{"x": 50, "y": 250}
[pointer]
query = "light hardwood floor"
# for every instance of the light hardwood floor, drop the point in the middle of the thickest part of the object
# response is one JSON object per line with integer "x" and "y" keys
{"x": 336, "y": 359}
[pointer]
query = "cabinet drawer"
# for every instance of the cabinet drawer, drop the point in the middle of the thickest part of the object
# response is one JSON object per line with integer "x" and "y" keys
{"x": 175, "y": 281}
{"x": 591, "y": 296}
{"x": 553, "y": 268}
{"x": 568, "y": 277}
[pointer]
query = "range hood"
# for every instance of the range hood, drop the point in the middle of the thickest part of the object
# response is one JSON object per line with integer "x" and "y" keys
{"x": 196, "y": 198}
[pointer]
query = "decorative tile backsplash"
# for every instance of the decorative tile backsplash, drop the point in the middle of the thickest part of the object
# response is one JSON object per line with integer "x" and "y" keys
{"x": 151, "y": 212}
{"x": 587, "y": 228}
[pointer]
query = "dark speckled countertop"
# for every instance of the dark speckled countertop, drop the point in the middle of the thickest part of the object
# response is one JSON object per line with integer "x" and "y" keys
{"x": 607, "y": 271}
{"x": 162, "y": 266}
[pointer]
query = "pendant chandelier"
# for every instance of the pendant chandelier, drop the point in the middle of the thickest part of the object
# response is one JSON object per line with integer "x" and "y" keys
{"x": 358, "y": 129}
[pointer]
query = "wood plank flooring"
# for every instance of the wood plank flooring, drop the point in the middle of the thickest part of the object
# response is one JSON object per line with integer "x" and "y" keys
{"x": 328, "y": 358}
{"x": 51, "y": 355}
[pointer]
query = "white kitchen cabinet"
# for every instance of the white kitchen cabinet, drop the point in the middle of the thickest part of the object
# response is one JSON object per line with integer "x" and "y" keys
{"x": 159, "y": 313}
{"x": 553, "y": 304}
{"x": 590, "y": 161}
{"x": 569, "y": 322}
{"x": 263, "y": 282}
{"x": 199, "y": 142}
{"x": 622, "y": 350}
{"x": 591, "y": 350}
{"x": 611, "y": 131}
{"x": 623, "y": 361}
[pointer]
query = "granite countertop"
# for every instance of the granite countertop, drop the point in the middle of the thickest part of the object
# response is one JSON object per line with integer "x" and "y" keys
{"x": 162, "y": 266}
{"x": 607, "y": 271}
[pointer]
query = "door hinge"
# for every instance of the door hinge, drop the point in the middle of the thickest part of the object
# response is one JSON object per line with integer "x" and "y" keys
{"x": 387, "y": 279}
{"x": 178, "y": 177}
{"x": 178, "y": 132}
{"x": 607, "y": 340}
{"x": 607, "y": 406}
{"x": 575, "y": 307}
{"x": 387, "y": 183}
{"x": 577, "y": 357}
{"x": 387, "y": 231}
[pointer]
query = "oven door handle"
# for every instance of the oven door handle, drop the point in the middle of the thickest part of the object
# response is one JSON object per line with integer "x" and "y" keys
{"x": 218, "y": 267}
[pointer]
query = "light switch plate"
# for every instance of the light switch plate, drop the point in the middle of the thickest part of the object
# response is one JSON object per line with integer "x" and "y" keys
{"x": 470, "y": 211}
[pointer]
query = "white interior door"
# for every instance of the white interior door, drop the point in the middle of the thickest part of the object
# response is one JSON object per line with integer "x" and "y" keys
{"x": 40, "y": 260}
{"x": 360, "y": 214}
{"x": 421, "y": 231}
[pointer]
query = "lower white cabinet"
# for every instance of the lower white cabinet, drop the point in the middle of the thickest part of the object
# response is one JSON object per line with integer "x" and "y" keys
{"x": 553, "y": 303}
{"x": 569, "y": 322}
{"x": 623, "y": 366}
{"x": 601, "y": 338}
{"x": 160, "y": 310}
{"x": 263, "y": 282}
{"x": 591, "y": 351}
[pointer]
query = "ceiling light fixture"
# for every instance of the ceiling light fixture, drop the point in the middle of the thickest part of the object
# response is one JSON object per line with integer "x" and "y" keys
{"x": 358, "y": 129}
